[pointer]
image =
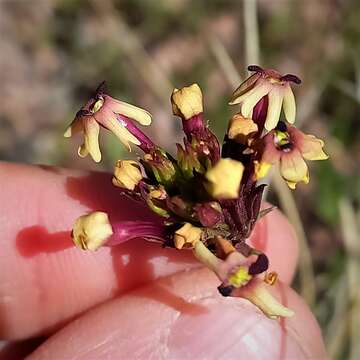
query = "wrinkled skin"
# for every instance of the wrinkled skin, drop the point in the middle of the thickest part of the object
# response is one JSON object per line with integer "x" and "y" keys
{"x": 133, "y": 301}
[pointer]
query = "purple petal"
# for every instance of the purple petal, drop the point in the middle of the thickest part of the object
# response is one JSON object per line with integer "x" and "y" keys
{"x": 260, "y": 265}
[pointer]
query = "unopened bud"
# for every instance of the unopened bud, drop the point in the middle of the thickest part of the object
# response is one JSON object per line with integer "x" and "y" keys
{"x": 91, "y": 231}
{"x": 240, "y": 128}
{"x": 127, "y": 174}
{"x": 224, "y": 179}
{"x": 187, "y": 102}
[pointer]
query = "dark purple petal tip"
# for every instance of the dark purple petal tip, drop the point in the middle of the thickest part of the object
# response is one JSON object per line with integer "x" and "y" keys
{"x": 225, "y": 290}
{"x": 291, "y": 78}
{"x": 255, "y": 68}
{"x": 101, "y": 89}
{"x": 260, "y": 265}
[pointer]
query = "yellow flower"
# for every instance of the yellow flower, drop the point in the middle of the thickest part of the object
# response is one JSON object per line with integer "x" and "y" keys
{"x": 267, "y": 82}
{"x": 224, "y": 179}
{"x": 127, "y": 174}
{"x": 116, "y": 116}
{"x": 91, "y": 231}
{"x": 187, "y": 102}
{"x": 187, "y": 236}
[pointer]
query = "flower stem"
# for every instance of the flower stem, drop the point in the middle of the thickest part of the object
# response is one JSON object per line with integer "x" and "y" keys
{"x": 203, "y": 254}
{"x": 128, "y": 230}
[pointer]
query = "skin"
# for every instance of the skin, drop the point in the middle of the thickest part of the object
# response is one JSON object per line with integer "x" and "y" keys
{"x": 135, "y": 300}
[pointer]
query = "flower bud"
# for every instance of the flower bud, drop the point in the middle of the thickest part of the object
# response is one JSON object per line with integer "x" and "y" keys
{"x": 187, "y": 236}
{"x": 91, "y": 231}
{"x": 161, "y": 167}
{"x": 187, "y": 102}
{"x": 127, "y": 174}
{"x": 240, "y": 128}
{"x": 224, "y": 179}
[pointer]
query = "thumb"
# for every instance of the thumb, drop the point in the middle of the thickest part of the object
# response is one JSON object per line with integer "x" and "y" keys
{"x": 183, "y": 317}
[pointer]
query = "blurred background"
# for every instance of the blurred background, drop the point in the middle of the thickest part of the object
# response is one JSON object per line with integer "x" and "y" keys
{"x": 53, "y": 54}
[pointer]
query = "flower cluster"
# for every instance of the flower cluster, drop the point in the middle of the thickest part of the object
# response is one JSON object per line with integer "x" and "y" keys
{"x": 207, "y": 198}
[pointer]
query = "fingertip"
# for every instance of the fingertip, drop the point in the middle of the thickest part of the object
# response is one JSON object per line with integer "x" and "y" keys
{"x": 184, "y": 317}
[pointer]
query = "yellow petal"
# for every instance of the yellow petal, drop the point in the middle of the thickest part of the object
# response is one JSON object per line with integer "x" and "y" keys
{"x": 289, "y": 104}
{"x": 293, "y": 168}
{"x": 224, "y": 179}
{"x": 312, "y": 148}
{"x": 291, "y": 185}
{"x": 127, "y": 174}
{"x": 261, "y": 169}
{"x": 91, "y": 231}
{"x": 258, "y": 293}
{"x": 91, "y": 137}
{"x": 75, "y": 127}
{"x": 67, "y": 132}
{"x": 253, "y": 97}
{"x": 133, "y": 112}
{"x": 274, "y": 108}
{"x": 188, "y": 101}
{"x": 82, "y": 151}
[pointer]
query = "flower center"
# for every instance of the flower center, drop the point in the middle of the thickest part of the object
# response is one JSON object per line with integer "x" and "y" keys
{"x": 282, "y": 140}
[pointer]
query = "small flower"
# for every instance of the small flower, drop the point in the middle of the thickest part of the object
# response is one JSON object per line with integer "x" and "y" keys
{"x": 267, "y": 82}
{"x": 187, "y": 236}
{"x": 187, "y": 102}
{"x": 224, "y": 179}
{"x": 290, "y": 147}
{"x": 241, "y": 129}
{"x": 237, "y": 281}
{"x": 112, "y": 114}
{"x": 127, "y": 174}
{"x": 91, "y": 231}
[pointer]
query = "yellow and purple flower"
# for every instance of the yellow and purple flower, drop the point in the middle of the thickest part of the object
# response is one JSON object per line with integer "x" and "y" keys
{"x": 271, "y": 90}
{"x": 290, "y": 148}
{"x": 239, "y": 276}
{"x": 207, "y": 198}
{"x": 114, "y": 115}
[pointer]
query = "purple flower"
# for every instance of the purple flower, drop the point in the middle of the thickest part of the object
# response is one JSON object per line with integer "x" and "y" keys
{"x": 114, "y": 115}
{"x": 269, "y": 84}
